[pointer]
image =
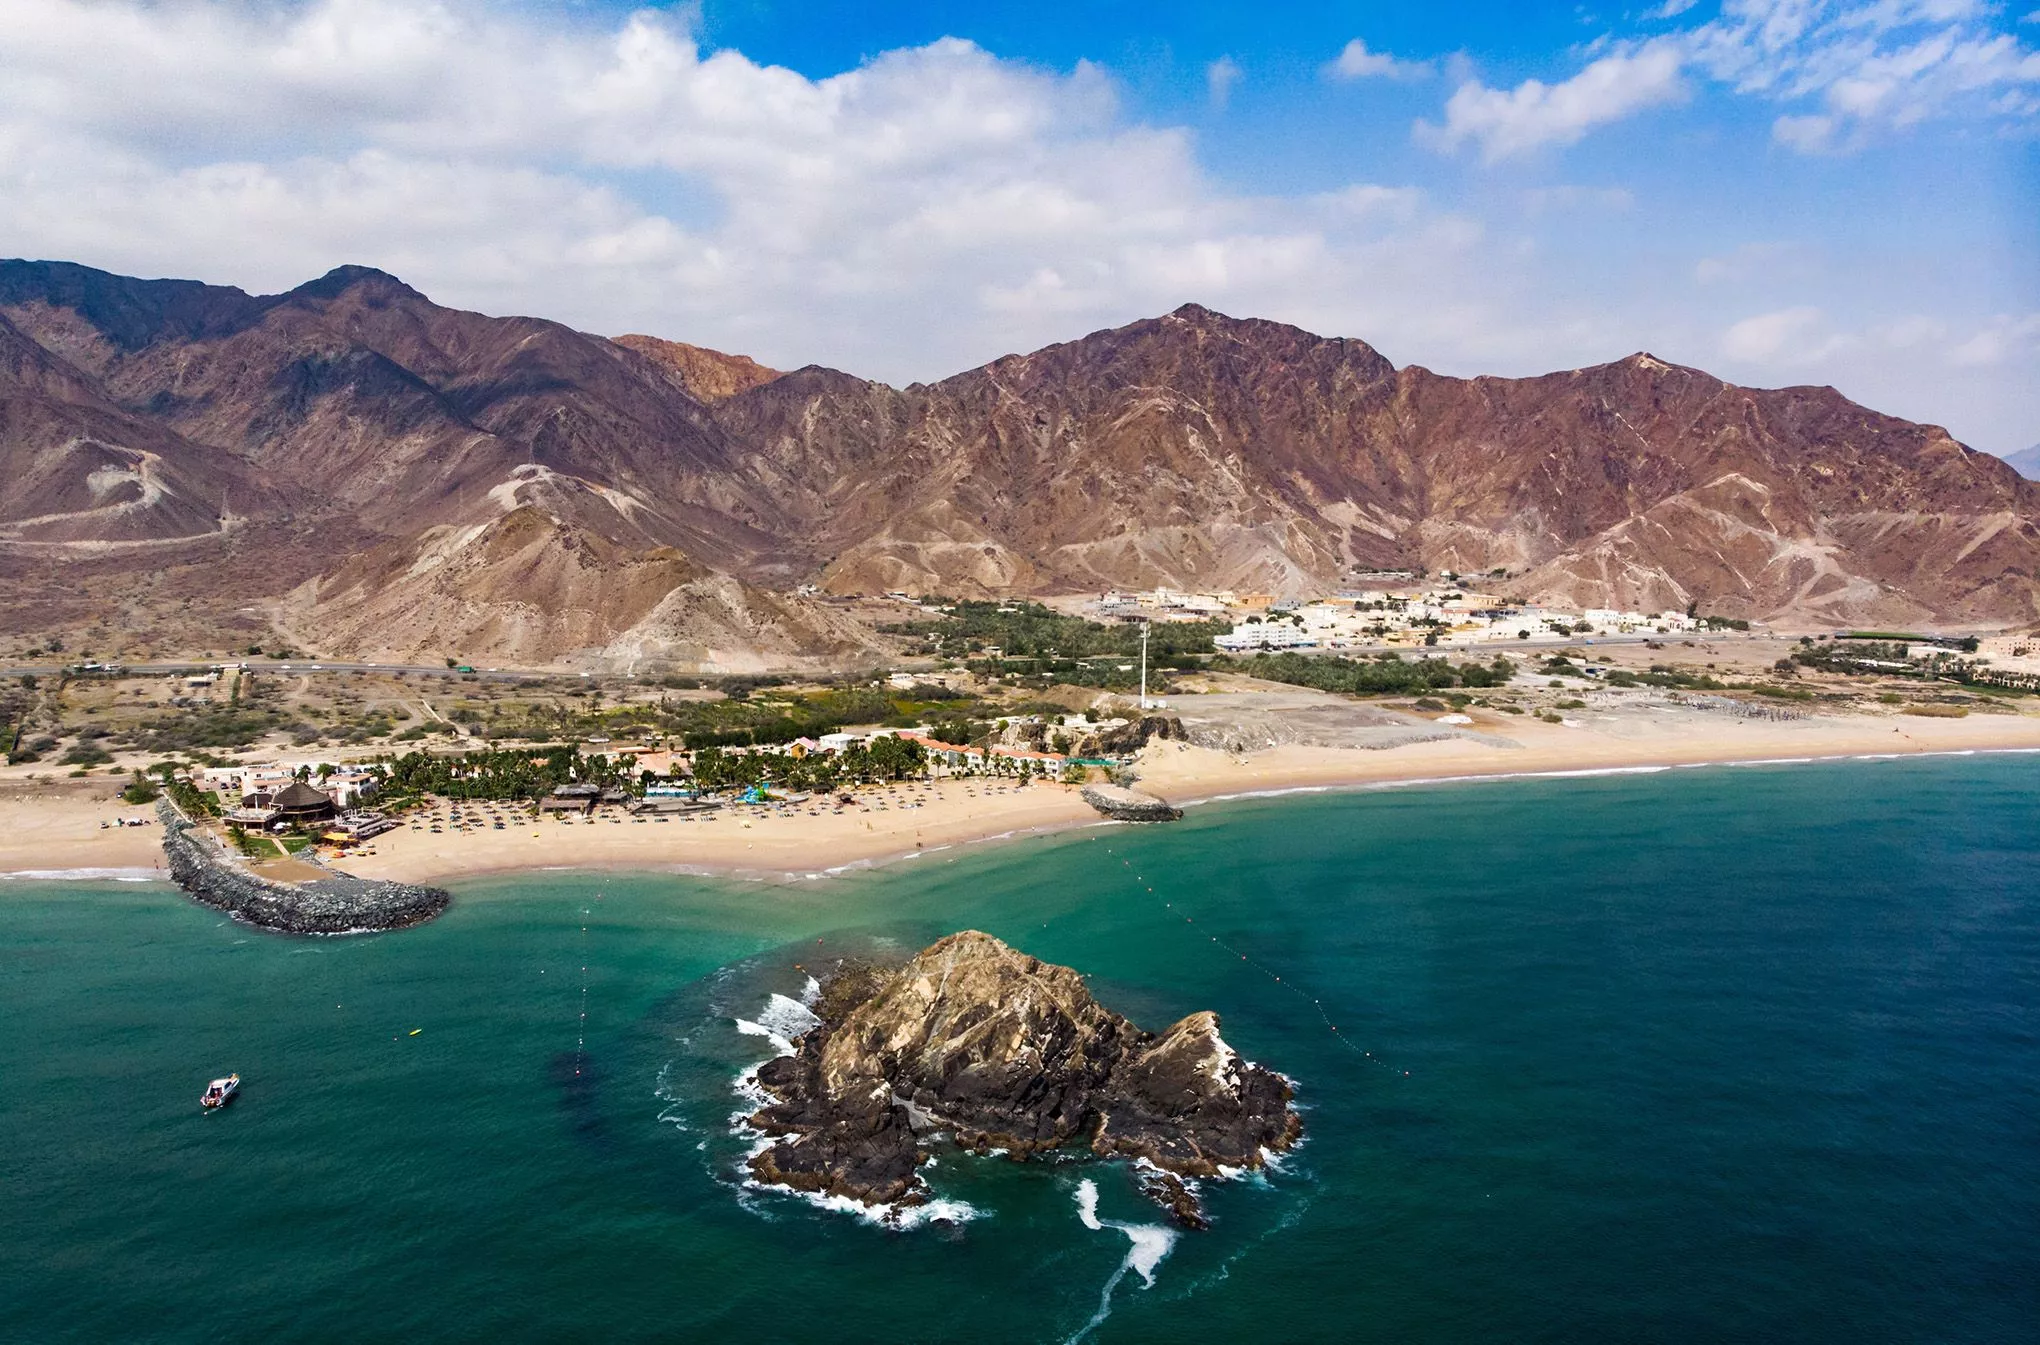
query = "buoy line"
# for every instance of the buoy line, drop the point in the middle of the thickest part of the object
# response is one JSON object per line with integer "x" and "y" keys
{"x": 581, "y": 1041}
{"x": 1316, "y": 1004}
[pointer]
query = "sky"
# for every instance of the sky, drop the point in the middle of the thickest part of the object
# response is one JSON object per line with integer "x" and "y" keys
{"x": 1839, "y": 192}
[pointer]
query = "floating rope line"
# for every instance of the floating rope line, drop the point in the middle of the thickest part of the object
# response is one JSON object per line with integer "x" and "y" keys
{"x": 1316, "y": 1004}
{"x": 581, "y": 1041}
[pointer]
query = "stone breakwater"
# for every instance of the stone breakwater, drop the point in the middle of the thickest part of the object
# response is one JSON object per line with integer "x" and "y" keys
{"x": 336, "y": 905}
{"x": 1129, "y": 805}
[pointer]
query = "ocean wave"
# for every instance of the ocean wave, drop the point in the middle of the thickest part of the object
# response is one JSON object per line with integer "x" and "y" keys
{"x": 128, "y": 875}
{"x": 788, "y": 1018}
{"x": 1148, "y": 1245}
{"x": 780, "y": 1045}
{"x": 900, "y": 1218}
{"x": 780, "y": 1020}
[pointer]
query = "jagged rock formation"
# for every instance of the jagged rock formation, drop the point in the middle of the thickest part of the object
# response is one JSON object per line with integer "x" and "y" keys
{"x": 367, "y": 468}
{"x": 1003, "y": 1051}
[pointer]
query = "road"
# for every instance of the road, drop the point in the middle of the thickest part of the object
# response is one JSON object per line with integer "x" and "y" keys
{"x": 303, "y": 668}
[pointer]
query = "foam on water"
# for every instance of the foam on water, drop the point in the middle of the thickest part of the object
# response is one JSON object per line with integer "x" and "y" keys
{"x": 903, "y": 1218}
{"x": 780, "y": 1045}
{"x": 788, "y": 1018}
{"x": 782, "y": 1019}
{"x": 1149, "y": 1244}
{"x": 83, "y": 875}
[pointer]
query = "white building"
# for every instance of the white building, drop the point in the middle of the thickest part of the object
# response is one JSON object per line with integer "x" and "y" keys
{"x": 1265, "y": 635}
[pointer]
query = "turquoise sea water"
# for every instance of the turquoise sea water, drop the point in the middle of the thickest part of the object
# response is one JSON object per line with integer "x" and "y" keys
{"x": 1722, "y": 1054}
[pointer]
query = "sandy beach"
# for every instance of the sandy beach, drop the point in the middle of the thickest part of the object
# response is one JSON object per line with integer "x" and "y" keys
{"x": 893, "y": 824}
{"x": 53, "y": 827}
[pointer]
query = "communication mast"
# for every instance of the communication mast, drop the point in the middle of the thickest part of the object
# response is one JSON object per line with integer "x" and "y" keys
{"x": 1144, "y": 629}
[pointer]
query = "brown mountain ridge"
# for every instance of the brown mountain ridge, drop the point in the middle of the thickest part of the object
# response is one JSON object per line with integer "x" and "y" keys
{"x": 380, "y": 476}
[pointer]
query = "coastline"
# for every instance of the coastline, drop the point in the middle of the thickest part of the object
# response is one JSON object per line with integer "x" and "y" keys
{"x": 57, "y": 834}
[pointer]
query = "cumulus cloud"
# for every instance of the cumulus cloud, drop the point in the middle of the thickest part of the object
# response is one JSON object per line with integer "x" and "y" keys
{"x": 1535, "y": 115}
{"x": 1355, "y": 61}
{"x": 930, "y": 209}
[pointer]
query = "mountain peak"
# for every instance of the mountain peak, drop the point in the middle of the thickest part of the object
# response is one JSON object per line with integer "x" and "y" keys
{"x": 341, "y": 279}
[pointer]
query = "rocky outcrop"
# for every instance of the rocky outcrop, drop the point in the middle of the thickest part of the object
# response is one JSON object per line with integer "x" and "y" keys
{"x": 1001, "y": 1051}
{"x": 1129, "y": 805}
{"x": 1128, "y": 738}
{"x": 336, "y": 905}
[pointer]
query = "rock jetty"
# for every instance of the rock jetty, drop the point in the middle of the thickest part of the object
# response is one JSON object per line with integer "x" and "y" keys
{"x": 1001, "y": 1051}
{"x": 336, "y": 905}
{"x": 1129, "y": 805}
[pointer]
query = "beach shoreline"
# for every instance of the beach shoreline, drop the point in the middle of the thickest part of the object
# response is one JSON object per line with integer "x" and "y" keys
{"x": 54, "y": 832}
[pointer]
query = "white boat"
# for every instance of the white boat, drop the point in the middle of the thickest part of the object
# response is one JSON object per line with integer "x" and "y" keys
{"x": 220, "y": 1092}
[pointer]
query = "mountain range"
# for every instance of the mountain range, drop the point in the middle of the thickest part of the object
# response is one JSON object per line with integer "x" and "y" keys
{"x": 376, "y": 476}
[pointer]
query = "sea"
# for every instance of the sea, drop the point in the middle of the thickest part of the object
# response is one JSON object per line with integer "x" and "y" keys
{"x": 1721, "y": 1054}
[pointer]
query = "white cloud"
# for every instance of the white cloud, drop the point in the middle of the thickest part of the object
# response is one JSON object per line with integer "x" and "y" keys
{"x": 1219, "y": 78}
{"x": 1849, "y": 68}
{"x": 1355, "y": 61}
{"x": 1788, "y": 334}
{"x": 2003, "y": 339}
{"x": 929, "y": 209}
{"x": 1535, "y": 115}
{"x": 911, "y": 217}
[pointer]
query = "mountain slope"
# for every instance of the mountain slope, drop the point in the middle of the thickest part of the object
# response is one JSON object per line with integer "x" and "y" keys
{"x": 2026, "y": 462}
{"x": 418, "y": 479}
{"x": 1196, "y": 450}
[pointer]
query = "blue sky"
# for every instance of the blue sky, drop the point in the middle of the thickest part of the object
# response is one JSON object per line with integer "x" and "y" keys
{"x": 1779, "y": 191}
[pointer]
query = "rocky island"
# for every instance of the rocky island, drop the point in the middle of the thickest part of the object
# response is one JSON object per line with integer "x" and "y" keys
{"x": 1003, "y": 1052}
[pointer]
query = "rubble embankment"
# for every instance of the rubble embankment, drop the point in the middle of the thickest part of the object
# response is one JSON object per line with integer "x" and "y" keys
{"x": 1129, "y": 805}
{"x": 336, "y": 905}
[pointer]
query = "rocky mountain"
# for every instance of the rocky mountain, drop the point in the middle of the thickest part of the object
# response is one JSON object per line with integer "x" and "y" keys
{"x": 997, "y": 1050}
{"x": 377, "y": 475}
{"x": 705, "y": 375}
{"x": 2026, "y": 462}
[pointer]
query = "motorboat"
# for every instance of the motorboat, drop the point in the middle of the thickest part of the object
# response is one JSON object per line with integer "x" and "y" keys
{"x": 220, "y": 1092}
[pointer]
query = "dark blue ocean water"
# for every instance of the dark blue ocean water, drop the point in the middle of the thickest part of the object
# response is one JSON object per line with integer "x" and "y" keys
{"x": 1723, "y": 1054}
